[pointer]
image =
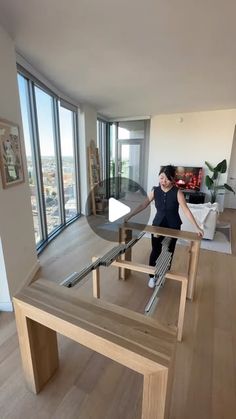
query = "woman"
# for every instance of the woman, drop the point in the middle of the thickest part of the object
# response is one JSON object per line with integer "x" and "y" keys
{"x": 167, "y": 199}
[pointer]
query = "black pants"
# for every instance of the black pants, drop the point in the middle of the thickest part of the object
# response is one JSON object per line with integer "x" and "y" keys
{"x": 157, "y": 247}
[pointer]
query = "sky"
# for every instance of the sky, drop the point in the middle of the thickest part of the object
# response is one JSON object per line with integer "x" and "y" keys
{"x": 45, "y": 122}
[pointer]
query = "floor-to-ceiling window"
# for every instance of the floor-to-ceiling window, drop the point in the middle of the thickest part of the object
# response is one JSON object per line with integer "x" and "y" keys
{"x": 30, "y": 155}
{"x": 49, "y": 167}
{"x": 51, "y": 143}
{"x": 68, "y": 154}
{"x": 128, "y": 155}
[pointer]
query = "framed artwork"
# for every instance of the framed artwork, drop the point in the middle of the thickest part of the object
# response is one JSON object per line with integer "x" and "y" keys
{"x": 11, "y": 164}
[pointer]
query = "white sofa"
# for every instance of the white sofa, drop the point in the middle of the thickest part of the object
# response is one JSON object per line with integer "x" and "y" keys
{"x": 206, "y": 216}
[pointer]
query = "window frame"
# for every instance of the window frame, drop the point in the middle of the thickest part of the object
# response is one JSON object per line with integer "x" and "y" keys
{"x": 31, "y": 83}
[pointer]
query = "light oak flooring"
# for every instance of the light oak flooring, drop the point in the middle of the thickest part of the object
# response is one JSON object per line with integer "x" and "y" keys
{"x": 87, "y": 385}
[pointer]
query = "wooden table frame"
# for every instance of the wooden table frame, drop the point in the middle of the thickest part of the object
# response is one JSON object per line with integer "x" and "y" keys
{"x": 125, "y": 235}
{"x": 125, "y": 265}
{"x": 44, "y": 309}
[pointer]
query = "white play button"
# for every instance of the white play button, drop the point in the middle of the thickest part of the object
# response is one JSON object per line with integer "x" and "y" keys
{"x": 116, "y": 209}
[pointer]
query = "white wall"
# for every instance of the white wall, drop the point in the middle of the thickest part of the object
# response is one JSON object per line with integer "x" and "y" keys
{"x": 190, "y": 139}
{"x": 18, "y": 256}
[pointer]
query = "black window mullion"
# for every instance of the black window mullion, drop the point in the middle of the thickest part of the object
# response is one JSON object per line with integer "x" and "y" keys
{"x": 116, "y": 150}
{"x": 103, "y": 149}
{"x": 100, "y": 149}
{"x": 107, "y": 159}
{"x": 76, "y": 154}
{"x": 37, "y": 160}
{"x": 57, "y": 143}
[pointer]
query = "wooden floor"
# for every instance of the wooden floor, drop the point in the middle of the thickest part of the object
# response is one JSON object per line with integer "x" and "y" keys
{"x": 89, "y": 386}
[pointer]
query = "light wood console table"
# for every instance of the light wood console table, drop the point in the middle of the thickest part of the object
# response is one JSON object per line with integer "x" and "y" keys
{"x": 44, "y": 309}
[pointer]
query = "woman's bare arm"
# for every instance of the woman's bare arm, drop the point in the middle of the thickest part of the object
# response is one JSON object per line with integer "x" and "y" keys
{"x": 187, "y": 212}
{"x": 140, "y": 207}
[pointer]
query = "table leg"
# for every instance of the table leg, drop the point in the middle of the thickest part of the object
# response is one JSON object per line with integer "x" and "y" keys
{"x": 184, "y": 284}
{"x": 96, "y": 280}
{"x": 39, "y": 351}
{"x": 192, "y": 268}
{"x": 155, "y": 395}
{"x": 124, "y": 237}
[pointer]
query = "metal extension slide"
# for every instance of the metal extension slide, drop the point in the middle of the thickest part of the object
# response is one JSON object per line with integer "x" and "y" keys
{"x": 105, "y": 260}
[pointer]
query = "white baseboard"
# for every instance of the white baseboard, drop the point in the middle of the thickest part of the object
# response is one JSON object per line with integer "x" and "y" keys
{"x": 6, "y": 306}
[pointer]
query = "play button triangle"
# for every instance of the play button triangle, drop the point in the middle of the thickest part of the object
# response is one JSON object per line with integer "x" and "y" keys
{"x": 116, "y": 209}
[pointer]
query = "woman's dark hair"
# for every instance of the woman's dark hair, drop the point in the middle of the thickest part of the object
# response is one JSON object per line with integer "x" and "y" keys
{"x": 169, "y": 171}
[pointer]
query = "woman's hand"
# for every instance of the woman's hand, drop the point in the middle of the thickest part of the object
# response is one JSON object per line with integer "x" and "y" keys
{"x": 200, "y": 232}
{"x": 140, "y": 207}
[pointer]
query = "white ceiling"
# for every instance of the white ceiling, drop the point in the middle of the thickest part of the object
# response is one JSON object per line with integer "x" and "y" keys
{"x": 131, "y": 57}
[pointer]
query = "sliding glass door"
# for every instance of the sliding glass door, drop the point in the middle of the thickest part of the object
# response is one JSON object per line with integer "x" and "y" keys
{"x": 128, "y": 156}
{"x": 129, "y": 165}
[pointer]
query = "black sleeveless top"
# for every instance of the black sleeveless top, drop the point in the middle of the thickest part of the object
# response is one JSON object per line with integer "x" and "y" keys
{"x": 167, "y": 207}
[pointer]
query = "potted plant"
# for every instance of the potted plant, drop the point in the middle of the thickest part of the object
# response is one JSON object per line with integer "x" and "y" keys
{"x": 212, "y": 182}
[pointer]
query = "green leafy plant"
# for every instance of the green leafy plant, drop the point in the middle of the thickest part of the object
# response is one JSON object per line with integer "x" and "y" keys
{"x": 212, "y": 182}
